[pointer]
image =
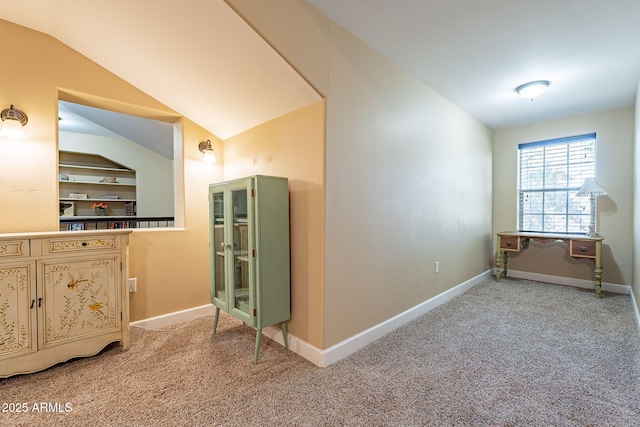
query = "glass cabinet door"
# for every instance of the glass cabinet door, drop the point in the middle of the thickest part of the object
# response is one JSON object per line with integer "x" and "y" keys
{"x": 219, "y": 248}
{"x": 241, "y": 297}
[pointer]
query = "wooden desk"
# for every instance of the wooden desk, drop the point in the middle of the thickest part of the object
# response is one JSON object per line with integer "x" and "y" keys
{"x": 580, "y": 247}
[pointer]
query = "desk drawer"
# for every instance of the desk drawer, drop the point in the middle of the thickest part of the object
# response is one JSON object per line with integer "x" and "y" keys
{"x": 510, "y": 243}
{"x": 582, "y": 248}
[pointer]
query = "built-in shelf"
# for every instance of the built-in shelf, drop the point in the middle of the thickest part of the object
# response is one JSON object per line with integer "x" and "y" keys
{"x": 93, "y": 179}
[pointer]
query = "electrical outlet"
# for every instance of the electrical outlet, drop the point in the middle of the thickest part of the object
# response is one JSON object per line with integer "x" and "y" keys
{"x": 437, "y": 267}
{"x": 133, "y": 284}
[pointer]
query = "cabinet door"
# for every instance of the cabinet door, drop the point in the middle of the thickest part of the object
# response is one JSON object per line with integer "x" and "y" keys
{"x": 242, "y": 302}
{"x": 17, "y": 309}
{"x": 218, "y": 289}
{"x": 232, "y": 243}
{"x": 80, "y": 297}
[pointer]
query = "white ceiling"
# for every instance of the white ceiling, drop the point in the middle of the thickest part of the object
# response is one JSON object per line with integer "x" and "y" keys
{"x": 197, "y": 57}
{"x": 154, "y": 135}
{"x": 476, "y": 52}
{"x": 203, "y": 61}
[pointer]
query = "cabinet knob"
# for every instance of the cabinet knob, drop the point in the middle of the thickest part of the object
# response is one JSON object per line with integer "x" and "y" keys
{"x": 583, "y": 249}
{"x": 508, "y": 242}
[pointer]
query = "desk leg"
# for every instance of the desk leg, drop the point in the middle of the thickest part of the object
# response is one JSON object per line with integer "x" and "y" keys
{"x": 598, "y": 269}
{"x": 505, "y": 259}
{"x": 598, "y": 273}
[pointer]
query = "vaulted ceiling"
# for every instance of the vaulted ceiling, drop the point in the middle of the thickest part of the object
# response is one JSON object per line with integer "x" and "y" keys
{"x": 198, "y": 57}
{"x": 202, "y": 60}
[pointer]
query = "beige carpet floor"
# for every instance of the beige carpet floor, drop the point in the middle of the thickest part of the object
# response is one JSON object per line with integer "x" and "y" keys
{"x": 514, "y": 353}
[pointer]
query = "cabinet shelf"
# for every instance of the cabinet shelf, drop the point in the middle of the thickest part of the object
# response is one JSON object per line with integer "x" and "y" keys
{"x": 86, "y": 174}
{"x": 125, "y": 184}
{"x": 97, "y": 168}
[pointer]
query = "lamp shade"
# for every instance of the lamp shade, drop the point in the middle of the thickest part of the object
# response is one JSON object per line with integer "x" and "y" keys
{"x": 208, "y": 155}
{"x": 12, "y": 129}
{"x": 590, "y": 187}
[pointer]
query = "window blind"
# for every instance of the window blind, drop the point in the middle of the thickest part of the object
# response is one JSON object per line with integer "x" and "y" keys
{"x": 550, "y": 173}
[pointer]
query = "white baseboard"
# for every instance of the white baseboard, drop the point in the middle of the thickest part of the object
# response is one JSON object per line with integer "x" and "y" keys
{"x": 323, "y": 358}
{"x": 635, "y": 309}
{"x": 311, "y": 353}
{"x": 345, "y": 348}
{"x": 568, "y": 281}
{"x": 169, "y": 319}
{"x": 319, "y": 357}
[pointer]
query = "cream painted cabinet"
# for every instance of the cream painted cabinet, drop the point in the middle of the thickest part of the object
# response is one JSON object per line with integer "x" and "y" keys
{"x": 249, "y": 239}
{"x": 62, "y": 295}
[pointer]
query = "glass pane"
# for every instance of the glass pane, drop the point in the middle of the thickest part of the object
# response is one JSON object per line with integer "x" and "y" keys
{"x": 578, "y": 205}
{"x": 555, "y": 223}
{"x": 240, "y": 251}
{"x": 218, "y": 244}
{"x": 555, "y": 177}
{"x": 578, "y": 223}
{"x": 555, "y": 202}
{"x": 532, "y": 223}
{"x": 532, "y": 203}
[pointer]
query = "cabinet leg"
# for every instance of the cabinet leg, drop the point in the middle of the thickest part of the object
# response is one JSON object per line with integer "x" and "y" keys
{"x": 215, "y": 321}
{"x": 258, "y": 338}
{"x": 284, "y": 335}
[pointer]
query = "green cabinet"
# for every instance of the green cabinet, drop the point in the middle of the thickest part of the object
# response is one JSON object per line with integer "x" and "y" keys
{"x": 249, "y": 241}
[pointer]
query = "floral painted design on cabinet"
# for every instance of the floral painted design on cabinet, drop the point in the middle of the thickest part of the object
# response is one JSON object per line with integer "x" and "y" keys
{"x": 80, "y": 298}
{"x": 15, "y": 321}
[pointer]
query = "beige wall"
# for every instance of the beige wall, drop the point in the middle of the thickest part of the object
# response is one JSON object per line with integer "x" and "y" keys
{"x": 408, "y": 174}
{"x": 293, "y": 146}
{"x": 614, "y": 165}
{"x": 171, "y": 266}
{"x": 408, "y": 184}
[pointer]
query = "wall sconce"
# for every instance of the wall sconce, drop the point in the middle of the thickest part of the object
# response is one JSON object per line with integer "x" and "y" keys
{"x": 208, "y": 156}
{"x": 12, "y": 122}
{"x": 532, "y": 90}
{"x": 591, "y": 188}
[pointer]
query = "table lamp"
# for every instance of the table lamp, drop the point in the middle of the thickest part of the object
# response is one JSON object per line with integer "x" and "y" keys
{"x": 591, "y": 188}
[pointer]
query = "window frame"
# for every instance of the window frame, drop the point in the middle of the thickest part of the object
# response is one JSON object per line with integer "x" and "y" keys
{"x": 569, "y": 209}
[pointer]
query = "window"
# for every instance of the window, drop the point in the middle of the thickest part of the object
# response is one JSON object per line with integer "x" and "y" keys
{"x": 550, "y": 174}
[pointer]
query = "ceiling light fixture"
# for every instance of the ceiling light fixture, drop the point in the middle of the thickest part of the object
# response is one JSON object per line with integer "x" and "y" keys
{"x": 532, "y": 90}
{"x": 12, "y": 122}
{"x": 207, "y": 150}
